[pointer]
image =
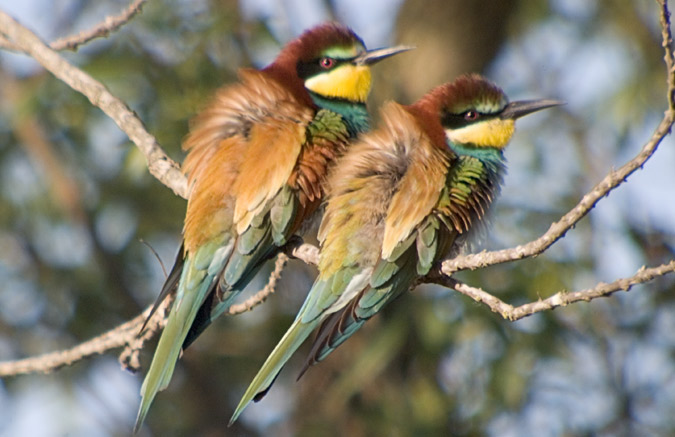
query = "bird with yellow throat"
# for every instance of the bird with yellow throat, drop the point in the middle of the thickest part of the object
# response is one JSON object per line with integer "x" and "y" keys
{"x": 257, "y": 160}
{"x": 401, "y": 198}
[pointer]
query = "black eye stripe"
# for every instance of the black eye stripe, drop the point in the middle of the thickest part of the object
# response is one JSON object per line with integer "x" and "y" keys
{"x": 456, "y": 121}
{"x": 310, "y": 68}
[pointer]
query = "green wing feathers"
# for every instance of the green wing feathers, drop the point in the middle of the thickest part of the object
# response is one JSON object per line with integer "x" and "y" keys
{"x": 390, "y": 278}
{"x": 282, "y": 214}
{"x": 261, "y": 241}
{"x": 195, "y": 284}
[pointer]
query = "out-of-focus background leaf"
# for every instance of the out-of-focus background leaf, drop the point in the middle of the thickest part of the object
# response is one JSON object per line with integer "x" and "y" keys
{"x": 75, "y": 199}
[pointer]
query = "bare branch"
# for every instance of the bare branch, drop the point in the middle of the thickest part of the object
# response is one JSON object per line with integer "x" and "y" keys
{"x": 559, "y": 299}
{"x": 110, "y": 24}
{"x": 263, "y": 294}
{"x": 46, "y": 363}
{"x": 558, "y": 229}
{"x": 615, "y": 178}
{"x": 159, "y": 164}
{"x": 127, "y": 335}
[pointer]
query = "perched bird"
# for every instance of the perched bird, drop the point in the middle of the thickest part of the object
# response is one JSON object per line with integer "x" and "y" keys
{"x": 256, "y": 164}
{"x": 399, "y": 200}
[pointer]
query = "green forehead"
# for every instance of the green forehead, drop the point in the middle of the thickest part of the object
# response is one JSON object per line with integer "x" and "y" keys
{"x": 488, "y": 103}
{"x": 343, "y": 51}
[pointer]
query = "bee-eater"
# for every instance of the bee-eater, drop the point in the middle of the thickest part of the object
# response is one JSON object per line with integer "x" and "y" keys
{"x": 399, "y": 200}
{"x": 257, "y": 161}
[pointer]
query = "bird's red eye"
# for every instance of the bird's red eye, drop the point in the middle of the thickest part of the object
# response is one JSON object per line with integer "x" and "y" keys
{"x": 326, "y": 63}
{"x": 471, "y": 115}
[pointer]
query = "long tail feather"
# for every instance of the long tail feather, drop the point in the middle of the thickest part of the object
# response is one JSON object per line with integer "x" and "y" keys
{"x": 262, "y": 382}
{"x": 168, "y": 349}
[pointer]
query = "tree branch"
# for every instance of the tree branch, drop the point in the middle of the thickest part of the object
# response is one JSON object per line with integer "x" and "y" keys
{"x": 127, "y": 335}
{"x": 615, "y": 178}
{"x": 46, "y": 363}
{"x": 562, "y": 298}
{"x": 263, "y": 294}
{"x": 110, "y": 24}
{"x": 159, "y": 164}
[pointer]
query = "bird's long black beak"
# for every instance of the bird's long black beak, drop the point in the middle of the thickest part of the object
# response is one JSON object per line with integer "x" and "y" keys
{"x": 518, "y": 109}
{"x": 372, "y": 56}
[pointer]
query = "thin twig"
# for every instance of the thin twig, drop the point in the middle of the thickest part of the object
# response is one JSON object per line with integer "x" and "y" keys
{"x": 613, "y": 179}
{"x": 263, "y": 294}
{"x": 127, "y": 335}
{"x": 51, "y": 361}
{"x": 110, "y": 24}
{"x": 559, "y": 299}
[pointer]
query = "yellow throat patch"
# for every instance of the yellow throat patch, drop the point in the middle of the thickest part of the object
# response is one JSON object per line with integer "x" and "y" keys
{"x": 493, "y": 133}
{"x": 350, "y": 82}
